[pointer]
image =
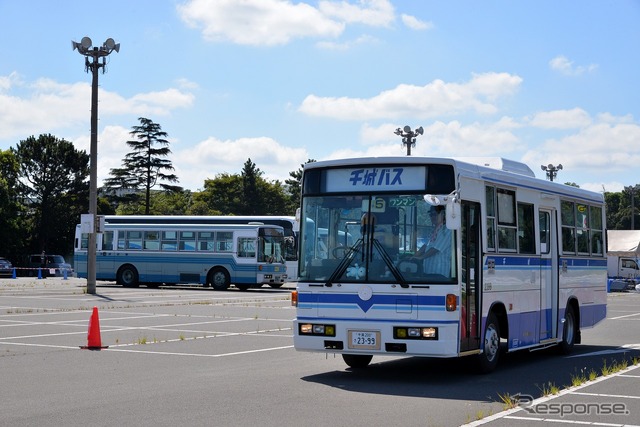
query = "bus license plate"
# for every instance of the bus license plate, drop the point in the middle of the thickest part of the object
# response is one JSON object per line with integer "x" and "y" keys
{"x": 367, "y": 340}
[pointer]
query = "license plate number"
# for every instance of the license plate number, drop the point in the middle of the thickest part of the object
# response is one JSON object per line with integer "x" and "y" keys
{"x": 368, "y": 340}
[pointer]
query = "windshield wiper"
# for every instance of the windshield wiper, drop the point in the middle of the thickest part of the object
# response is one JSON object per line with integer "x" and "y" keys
{"x": 387, "y": 259}
{"x": 346, "y": 260}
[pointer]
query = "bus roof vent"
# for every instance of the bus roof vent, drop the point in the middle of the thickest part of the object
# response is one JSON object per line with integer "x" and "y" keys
{"x": 501, "y": 164}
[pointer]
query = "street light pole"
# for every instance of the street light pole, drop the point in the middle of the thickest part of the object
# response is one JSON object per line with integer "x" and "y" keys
{"x": 551, "y": 170}
{"x": 85, "y": 48}
{"x": 409, "y": 137}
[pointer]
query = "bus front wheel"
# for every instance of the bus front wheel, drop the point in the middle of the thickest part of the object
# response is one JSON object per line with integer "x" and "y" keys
{"x": 127, "y": 276}
{"x": 219, "y": 279}
{"x": 488, "y": 359}
{"x": 357, "y": 361}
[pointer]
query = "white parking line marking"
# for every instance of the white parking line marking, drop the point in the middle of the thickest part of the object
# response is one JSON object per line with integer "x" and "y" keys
{"x": 202, "y": 355}
{"x": 574, "y": 390}
{"x": 625, "y": 316}
{"x": 552, "y": 420}
{"x": 617, "y": 396}
{"x": 621, "y": 349}
{"x": 164, "y": 353}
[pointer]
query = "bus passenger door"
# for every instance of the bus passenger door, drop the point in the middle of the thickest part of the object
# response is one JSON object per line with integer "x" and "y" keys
{"x": 471, "y": 271}
{"x": 105, "y": 264}
{"x": 246, "y": 253}
{"x": 548, "y": 275}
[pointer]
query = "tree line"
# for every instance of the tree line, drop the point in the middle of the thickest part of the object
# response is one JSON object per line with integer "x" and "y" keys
{"x": 44, "y": 188}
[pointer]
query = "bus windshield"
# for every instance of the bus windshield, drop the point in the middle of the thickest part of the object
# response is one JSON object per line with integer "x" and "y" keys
{"x": 271, "y": 246}
{"x": 374, "y": 238}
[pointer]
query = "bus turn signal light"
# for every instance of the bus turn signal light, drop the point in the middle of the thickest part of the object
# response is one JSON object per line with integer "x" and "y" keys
{"x": 452, "y": 302}
{"x": 294, "y": 298}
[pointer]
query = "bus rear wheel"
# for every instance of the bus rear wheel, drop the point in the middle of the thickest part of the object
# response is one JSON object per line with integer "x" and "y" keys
{"x": 219, "y": 279}
{"x": 127, "y": 276}
{"x": 357, "y": 361}
{"x": 569, "y": 331}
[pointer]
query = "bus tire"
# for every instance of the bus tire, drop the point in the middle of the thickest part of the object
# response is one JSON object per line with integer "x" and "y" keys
{"x": 357, "y": 361}
{"x": 488, "y": 359}
{"x": 219, "y": 279}
{"x": 569, "y": 331}
{"x": 127, "y": 276}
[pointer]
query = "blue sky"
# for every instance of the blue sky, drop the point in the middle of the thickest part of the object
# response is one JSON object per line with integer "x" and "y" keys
{"x": 543, "y": 82}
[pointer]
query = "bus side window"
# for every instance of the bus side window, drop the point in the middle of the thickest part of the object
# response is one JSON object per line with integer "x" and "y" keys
{"x": 107, "y": 241}
{"x": 246, "y": 247}
{"x": 224, "y": 241}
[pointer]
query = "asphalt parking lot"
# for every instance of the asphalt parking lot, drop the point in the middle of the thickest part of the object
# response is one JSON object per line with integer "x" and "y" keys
{"x": 193, "y": 356}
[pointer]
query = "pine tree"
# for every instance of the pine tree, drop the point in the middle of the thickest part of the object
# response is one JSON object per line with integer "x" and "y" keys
{"x": 145, "y": 166}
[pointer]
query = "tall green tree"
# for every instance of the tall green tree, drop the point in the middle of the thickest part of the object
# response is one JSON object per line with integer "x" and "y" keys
{"x": 145, "y": 166}
{"x": 221, "y": 195}
{"x": 11, "y": 209}
{"x": 55, "y": 188}
{"x": 252, "y": 196}
{"x": 294, "y": 186}
{"x": 247, "y": 193}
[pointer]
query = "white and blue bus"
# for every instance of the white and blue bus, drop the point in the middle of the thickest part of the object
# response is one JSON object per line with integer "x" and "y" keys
{"x": 132, "y": 253}
{"x": 448, "y": 259}
{"x": 288, "y": 223}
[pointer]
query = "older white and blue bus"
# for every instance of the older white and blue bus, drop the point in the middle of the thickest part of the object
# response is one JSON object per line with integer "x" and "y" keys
{"x": 448, "y": 259}
{"x": 132, "y": 253}
{"x": 288, "y": 223}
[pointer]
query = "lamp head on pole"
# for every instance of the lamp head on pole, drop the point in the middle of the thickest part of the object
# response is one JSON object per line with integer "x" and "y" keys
{"x": 409, "y": 136}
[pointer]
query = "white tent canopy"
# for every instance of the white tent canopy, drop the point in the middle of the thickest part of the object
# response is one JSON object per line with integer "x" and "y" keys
{"x": 623, "y": 242}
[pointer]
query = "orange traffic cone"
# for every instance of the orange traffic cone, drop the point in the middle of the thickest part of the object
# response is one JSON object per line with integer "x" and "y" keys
{"x": 93, "y": 338}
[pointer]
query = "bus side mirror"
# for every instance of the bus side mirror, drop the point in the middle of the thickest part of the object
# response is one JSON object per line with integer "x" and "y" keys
{"x": 453, "y": 215}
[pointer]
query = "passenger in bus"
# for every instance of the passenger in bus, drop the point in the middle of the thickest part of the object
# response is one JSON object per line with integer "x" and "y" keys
{"x": 436, "y": 253}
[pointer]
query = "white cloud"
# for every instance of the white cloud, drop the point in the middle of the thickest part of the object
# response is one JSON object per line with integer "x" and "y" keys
{"x": 257, "y": 22}
{"x": 432, "y": 100}
{"x": 203, "y": 161}
{"x": 440, "y": 139}
{"x": 565, "y": 66}
{"x": 561, "y": 119}
{"x": 6, "y": 82}
{"x": 384, "y": 133}
{"x": 376, "y": 13}
{"x": 47, "y": 106}
{"x": 599, "y": 187}
{"x": 342, "y": 46}
{"x": 600, "y": 147}
{"x": 414, "y": 23}
{"x": 195, "y": 164}
{"x": 277, "y": 22}
{"x": 112, "y": 148}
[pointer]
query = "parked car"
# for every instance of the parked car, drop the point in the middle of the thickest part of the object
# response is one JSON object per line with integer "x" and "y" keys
{"x": 51, "y": 265}
{"x": 6, "y": 269}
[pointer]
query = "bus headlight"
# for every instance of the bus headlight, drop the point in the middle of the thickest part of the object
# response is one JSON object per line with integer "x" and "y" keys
{"x": 411, "y": 333}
